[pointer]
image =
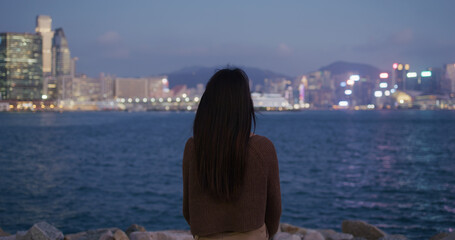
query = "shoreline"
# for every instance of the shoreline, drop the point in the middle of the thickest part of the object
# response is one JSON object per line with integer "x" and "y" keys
{"x": 351, "y": 230}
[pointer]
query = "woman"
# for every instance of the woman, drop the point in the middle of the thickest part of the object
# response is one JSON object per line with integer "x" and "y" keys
{"x": 231, "y": 186}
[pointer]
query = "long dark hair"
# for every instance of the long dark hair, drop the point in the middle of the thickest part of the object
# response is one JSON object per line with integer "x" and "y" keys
{"x": 221, "y": 132}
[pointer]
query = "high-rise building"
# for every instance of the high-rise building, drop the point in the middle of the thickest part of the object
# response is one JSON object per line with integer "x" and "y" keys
{"x": 151, "y": 87}
{"x": 44, "y": 29}
{"x": 399, "y": 76}
{"x": 450, "y": 76}
{"x": 21, "y": 66}
{"x": 62, "y": 64}
{"x": 61, "y": 56}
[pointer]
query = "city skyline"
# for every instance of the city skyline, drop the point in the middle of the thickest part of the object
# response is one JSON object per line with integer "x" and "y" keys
{"x": 152, "y": 38}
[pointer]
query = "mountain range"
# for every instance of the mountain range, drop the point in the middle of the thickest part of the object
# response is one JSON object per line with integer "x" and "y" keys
{"x": 191, "y": 76}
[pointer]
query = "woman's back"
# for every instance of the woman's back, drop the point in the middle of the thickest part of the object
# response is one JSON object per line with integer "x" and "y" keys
{"x": 258, "y": 201}
{"x": 230, "y": 178}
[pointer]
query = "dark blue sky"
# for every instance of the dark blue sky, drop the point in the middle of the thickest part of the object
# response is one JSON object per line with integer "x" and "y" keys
{"x": 140, "y": 38}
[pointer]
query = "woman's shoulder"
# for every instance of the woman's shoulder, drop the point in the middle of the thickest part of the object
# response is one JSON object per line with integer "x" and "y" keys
{"x": 260, "y": 141}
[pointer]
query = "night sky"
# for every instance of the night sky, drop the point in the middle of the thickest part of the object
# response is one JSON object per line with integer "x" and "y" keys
{"x": 141, "y": 38}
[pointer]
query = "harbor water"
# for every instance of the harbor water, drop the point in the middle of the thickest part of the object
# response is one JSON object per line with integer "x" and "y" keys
{"x": 87, "y": 170}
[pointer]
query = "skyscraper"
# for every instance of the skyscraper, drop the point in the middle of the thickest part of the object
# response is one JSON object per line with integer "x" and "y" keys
{"x": 21, "y": 74}
{"x": 450, "y": 75}
{"x": 44, "y": 29}
{"x": 61, "y": 56}
{"x": 62, "y": 64}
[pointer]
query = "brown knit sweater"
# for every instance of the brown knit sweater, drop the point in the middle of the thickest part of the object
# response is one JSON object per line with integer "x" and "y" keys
{"x": 259, "y": 199}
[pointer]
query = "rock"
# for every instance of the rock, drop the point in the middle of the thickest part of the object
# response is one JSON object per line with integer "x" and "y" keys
{"x": 140, "y": 236}
{"x": 439, "y": 236}
{"x": 3, "y": 234}
{"x": 120, "y": 235}
{"x": 286, "y": 236}
{"x": 172, "y": 235}
{"x": 362, "y": 229}
{"x": 10, "y": 237}
{"x": 313, "y": 235}
{"x": 96, "y": 234}
{"x": 20, "y": 235}
{"x": 394, "y": 237}
{"x": 450, "y": 236}
{"x": 108, "y": 235}
{"x": 43, "y": 231}
{"x": 286, "y": 227}
{"x": 134, "y": 228}
{"x": 330, "y": 234}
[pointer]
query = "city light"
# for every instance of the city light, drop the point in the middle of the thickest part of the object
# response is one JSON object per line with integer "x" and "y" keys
{"x": 378, "y": 93}
{"x": 184, "y": 95}
{"x": 370, "y": 106}
{"x": 169, "y": 99}
{"x": 400, "y": 67}
{"x": 350, "y": 82}
{"x": 411, "y": 74}
{"x": 355, "y": 77}
{"x": 387, "y": 93}
{"x": 137, "y": 99}
{"x": 395, "y": 65}
{"x": 144, "y": 99}
{"x": 177, "y": 99}
{"x": 383, "y": 75}
{"x": 196, "y": 99}
{"x": 348, "y": 91}
{"x": 392, "y": 90}
{"x": 44, "y": 96}
{"x": 152, "y": 99}
{"x": 343, "y": 103}
{"x": 188, "y": 108}
{"x": 160, "y": 100}
{"x": 395, "y": 86}
{"x": 383, "y": 85}
{"x": 164, "y": 81}
{"x": 342, "y": 84}
{"x": 130, "y": 100}
{"x": 187, "y": 99}
{"x": 425, "y": 74}
{"x": 406, "y": 67}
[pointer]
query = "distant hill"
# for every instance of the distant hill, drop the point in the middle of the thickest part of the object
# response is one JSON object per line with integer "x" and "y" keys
{"x": 191, "y": 76}
{"x": 341, "y": 67}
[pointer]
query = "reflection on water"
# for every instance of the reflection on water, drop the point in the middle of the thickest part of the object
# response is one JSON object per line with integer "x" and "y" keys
{"x": 82, "y": 171}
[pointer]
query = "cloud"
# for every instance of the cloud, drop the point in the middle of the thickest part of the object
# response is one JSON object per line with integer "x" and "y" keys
{"x": 110, "y": 37}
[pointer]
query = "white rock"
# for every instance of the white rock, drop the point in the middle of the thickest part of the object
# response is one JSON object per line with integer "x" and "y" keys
{"x": 141, "y": 236}
{"x": 330, "y": 234}
{"x": 120, "y": 235}
{"x": 286, "y": 236}
{"x": 313, "y": 235}
{"x": 43, "y": 231}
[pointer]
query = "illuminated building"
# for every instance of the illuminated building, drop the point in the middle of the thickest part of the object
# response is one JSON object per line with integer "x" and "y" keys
{"x": 320, "y": 91}
{"x": 156, "y": 87}
{"x": 21, "y": 66}
{"x": 44, "y": 29}
{"x": 269, "y": 101}
{"x": 450, "y": 76}
{"x": 61, "y": 58}
{"x": 399, "y": 75}
{"x": 61, "y": 65}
